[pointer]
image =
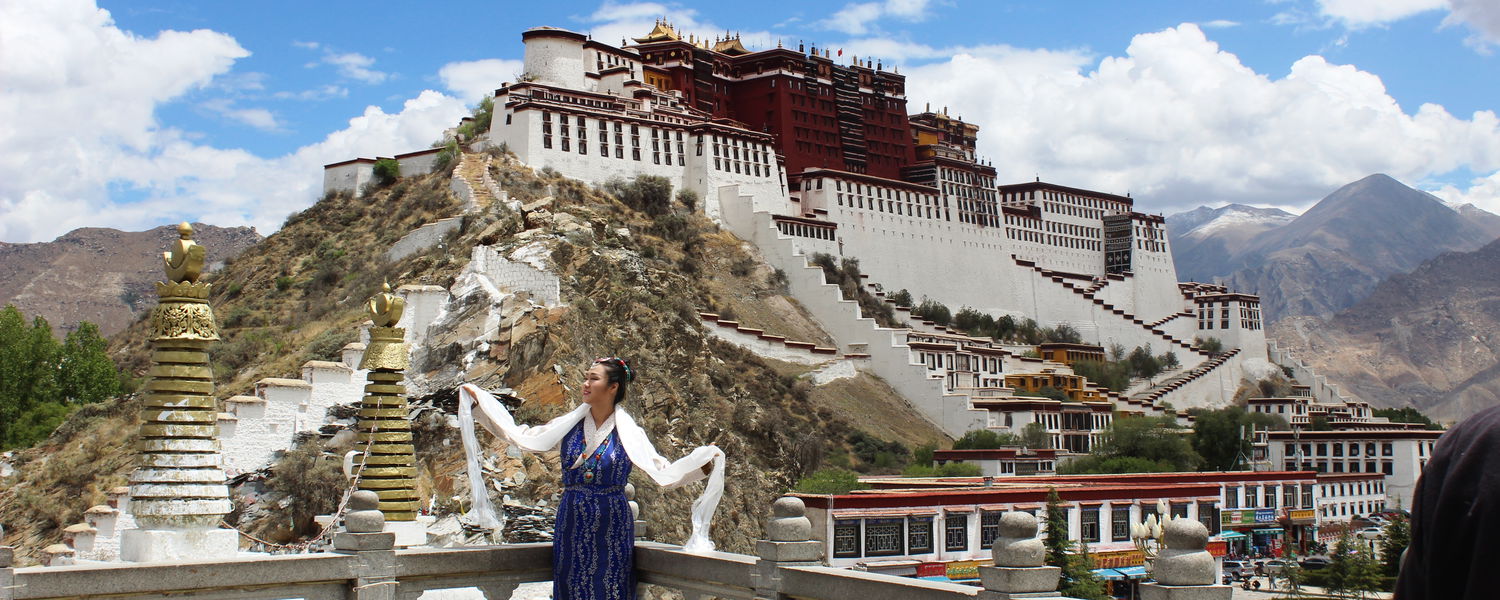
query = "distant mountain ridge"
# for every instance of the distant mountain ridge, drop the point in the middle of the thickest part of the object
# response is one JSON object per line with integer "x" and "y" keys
{"x": 100, "y": 275}
{"x": 1331, "y": 256}
{"x": 1429, "y": 338}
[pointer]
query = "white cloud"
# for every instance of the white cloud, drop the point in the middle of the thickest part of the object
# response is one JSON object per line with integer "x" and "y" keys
{"x": 1179, "y": 122}
{"x": 1483, "y": 17}
{"x": 860, "y": 18}
{"x": 319, "y": 93}
{"x": 475, "y": 79}
{"x": 1358, "y": 14}
{"x": 1483, "y": 192}
{"x": 258, "y": 118}
{"x": 66, "y": 60}
{"x": 1219, "y": 24}
{"x": 355, "y": 66}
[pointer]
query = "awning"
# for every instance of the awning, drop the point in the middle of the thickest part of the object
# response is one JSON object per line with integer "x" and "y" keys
{"x": 1267, "y": 530}
{"x": 1136, "y": 572}
{"x": 1231, "y": 535}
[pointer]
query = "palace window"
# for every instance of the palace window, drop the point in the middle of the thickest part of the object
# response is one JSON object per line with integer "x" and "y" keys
{"x": 989, "y": 527}
{"x": 956, "y": 532}
{"x": 846, "y": 539}
{"x": 884, "y": 537}
{"x": 1088, "y": 520}
{"x": 919, "y": 535}
{"x": 1209, "y": 517}
{"x": 1119, "y": 523}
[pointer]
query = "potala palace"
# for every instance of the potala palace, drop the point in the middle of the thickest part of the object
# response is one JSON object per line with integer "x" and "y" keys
{"x": 799, "y": 154}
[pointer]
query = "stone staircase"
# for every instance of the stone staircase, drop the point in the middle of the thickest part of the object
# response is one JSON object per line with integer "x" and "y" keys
{"x": 1157, "y": 392}
{"x": 473, "y": 184}
{"x": 1087, "y": 292}
{"x": 765, "y": 344}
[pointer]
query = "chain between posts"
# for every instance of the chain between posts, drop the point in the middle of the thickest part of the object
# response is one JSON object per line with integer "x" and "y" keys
{"x": 306, "y": 546}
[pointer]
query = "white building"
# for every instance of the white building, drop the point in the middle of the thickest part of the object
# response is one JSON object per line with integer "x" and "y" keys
{"x": 1398, "y": 455}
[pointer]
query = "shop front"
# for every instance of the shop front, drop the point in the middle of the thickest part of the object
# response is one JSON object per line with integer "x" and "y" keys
{"x": 1302, "y": 529}
{"x": 1259, "y": 532}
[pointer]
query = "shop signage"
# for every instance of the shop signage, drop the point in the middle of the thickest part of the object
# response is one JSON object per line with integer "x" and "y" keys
{"x": 1242, "y": 518}
{"x": 1218, "y": 549}
{"x": 1302, "y": 515}
{"x": 1116, "y": 559}
{"x": 964, "y": 569}
{"x": 932, "y": 569}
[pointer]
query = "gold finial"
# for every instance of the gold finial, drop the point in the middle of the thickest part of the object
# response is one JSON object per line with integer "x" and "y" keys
{"x": 385, "y": 308}
{"x": 184, "y": 262}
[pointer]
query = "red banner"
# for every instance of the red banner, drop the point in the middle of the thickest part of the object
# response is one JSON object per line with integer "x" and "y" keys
{"x": 1219, "y": 548}
{"x": 932, "y": 569}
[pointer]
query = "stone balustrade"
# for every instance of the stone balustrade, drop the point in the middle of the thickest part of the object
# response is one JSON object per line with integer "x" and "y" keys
{"x": 366, "y": 566}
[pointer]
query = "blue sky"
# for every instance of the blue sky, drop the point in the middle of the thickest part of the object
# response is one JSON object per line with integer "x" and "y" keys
{"x": 134, "y": 114}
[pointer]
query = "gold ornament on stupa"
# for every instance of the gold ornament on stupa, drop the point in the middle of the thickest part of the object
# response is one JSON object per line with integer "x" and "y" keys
{"x": 180, "y": 482}
{"x": 390, "y": 461}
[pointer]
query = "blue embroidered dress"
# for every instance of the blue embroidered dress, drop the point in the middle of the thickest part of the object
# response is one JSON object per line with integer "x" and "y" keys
{"x": 593, "y": 547}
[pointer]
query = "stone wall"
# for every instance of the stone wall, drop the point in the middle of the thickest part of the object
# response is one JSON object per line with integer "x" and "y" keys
{"x": 422, "y": 238}
{"x": 517, "y": 275}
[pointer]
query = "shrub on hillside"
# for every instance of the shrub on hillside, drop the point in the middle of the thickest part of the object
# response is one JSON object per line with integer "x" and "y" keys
{"x": 934, "y": 311}
{"x": 651, "y": 194}
{"x": 831, "y": 480}
{"x": 387, "y": 171}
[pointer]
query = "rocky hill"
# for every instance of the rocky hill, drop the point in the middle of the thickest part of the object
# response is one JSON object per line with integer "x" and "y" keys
{"x": 1429, "y": 338}
{"x": 633, "y": 280}
{"x": 1334, "y": 254}
{"x": 100, "y": 275}
{"x": 1206, "y": 240}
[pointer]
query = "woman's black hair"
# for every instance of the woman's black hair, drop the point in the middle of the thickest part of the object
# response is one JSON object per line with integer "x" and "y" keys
{"x": 616, "y": 370}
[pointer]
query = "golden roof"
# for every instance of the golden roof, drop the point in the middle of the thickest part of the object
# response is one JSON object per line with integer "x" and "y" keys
{"x": 731, "y": 46}
{"x": 663, "y": 32}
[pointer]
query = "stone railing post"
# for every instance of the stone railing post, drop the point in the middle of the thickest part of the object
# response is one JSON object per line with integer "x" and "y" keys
{"x": 1019, "y": 555}
{"x": 789, "y": 543}
{"x": 635, "y": 512}
{"x": 365, "y": 537}
{"x": 1184, "y": 570}
{"x": 7, "y": 571}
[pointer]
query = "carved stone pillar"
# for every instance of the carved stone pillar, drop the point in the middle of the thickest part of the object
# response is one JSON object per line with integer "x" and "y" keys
{"x": 177, "y": 494}
{"x": 789, "y": 542}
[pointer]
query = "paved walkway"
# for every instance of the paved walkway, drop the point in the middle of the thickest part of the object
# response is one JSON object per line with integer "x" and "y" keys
{"x": 1266, "y": 592}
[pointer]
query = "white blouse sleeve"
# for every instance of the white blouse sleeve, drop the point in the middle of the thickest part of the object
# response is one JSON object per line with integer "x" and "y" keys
{"x": 671, "y": 474}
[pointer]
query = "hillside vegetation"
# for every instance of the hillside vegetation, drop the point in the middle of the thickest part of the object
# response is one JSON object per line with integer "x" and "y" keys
{"x": 634, "y": 278}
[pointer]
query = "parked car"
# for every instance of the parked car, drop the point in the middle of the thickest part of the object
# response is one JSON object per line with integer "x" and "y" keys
{"x": 1370, "y": 533}
{"x": 1314, "y": 562}
{"x": 1237, "y": 570}
{"x": 1274, "y": 566}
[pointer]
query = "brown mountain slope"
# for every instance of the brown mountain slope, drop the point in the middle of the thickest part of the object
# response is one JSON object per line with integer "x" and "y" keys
{"x": 100, "y": 275}
{"x": 1429, "y": 338}
{"x": 634, "y": 294}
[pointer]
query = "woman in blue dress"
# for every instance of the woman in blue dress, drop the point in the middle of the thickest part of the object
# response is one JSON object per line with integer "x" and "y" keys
{"x": 592, "y": 546}
{"x": 594, "y": 541}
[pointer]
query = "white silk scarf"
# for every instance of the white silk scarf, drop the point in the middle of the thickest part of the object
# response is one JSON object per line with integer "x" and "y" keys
{"x": 540, "y": 438}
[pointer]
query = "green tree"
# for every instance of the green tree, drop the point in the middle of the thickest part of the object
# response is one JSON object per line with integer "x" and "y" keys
{"x": 984, "y": 439}
{"x": 1211, "y": 345}
{"x": 1139, "y": 444}
{"x": 934, "y": 311}
{"x": 1352, "y": 571}
{"x": 831, "y": 480}
{"x": 42, "y": 380}
{"x": 1290, "y": 577}
{"x": 1078, "y": 579}
{"x": 1397, "y": 537}
{"x": 902, "y": 298}
{"x": 1035, "y": 437}
{"x": 1221, "y": 436}
{"x": 387, "y": 171}
{"x": 1407, "y": 414}
{"x": 86, "y": 374}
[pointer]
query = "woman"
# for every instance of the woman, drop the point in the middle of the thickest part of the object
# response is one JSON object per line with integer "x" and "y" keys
{"x": 592, "y": 551}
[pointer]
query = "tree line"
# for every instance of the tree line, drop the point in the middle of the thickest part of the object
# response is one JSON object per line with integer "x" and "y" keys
{"x": 43, "y": 380}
